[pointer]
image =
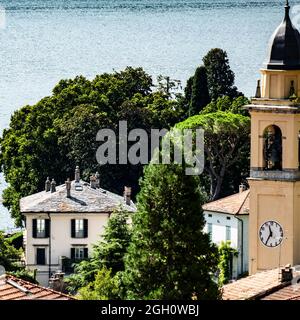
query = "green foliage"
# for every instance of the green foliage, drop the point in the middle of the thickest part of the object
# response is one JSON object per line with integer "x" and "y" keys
{"x": 104, "y": 287}
{"x": 169, "y": 256}
{"x": 200, "y": 95}
{"x": 227, "y": 149}
{"x": 25, "y": 275}
{"x": 220, "y": 77}
{"x": 108, "y": 254}
{"x": 226, "y": 253}
{"x": 189, "y": 89}
{"x": 168, "y": 86}
{"x": 50, "y": 137}
{"x": 16, "y": 240}
{"x": 9, "y": 255}
{"x": 225, "y": 103}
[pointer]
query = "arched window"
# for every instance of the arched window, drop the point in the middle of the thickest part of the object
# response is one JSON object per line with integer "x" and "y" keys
{"x": 272, "y": 148}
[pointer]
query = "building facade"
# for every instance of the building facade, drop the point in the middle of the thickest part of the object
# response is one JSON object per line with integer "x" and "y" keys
{"x": 63, "y": 223}
{"x": 227, "y": 219}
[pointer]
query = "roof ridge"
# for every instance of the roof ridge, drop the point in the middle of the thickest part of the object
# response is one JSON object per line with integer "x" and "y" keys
{"x": 246, "y": 194}
{"x": 37, "y": 286}
{"x": 243, "y": 201}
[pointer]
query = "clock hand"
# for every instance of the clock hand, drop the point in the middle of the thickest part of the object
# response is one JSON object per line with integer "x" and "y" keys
{"x": 271, "y": 233}
{"x": 268, "y": 238}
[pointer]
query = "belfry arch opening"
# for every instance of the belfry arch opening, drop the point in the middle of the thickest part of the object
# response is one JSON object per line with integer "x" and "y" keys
{"x": 272, "y": 150}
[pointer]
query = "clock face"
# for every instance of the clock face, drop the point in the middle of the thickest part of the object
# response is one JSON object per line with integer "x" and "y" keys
{"x": 271, "y": 234}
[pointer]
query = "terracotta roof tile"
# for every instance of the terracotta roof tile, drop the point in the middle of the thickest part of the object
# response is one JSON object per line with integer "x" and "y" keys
{"x": 291, "y": 292}
{"x": 254, "y": 286}
{"x": 12, "y": 288}
{"x": 262, "y": 286}
{"x": 235, "y": 204}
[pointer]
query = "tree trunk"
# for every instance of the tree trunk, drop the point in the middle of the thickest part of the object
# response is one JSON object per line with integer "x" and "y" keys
{"x": 217, "y": 189}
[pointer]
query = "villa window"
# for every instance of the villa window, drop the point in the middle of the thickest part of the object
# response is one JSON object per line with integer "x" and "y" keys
{"x": 40, "y": 228}
{"x": 210, "y": 230}
{"x": 228, "y": 233}
{"x": 40, "y": 256}
{"x": 79, "y": 253}
{"x": 79, "y": 228}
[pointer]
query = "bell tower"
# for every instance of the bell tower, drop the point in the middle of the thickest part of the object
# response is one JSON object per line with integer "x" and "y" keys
{"x": 274, "y": 225}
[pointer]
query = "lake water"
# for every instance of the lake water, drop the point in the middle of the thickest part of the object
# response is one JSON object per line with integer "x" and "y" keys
{"x": 45, "y": 41}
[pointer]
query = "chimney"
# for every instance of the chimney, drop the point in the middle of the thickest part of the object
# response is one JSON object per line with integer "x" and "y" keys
{"x": 77, "y": 174}
{"x": 56, "y": 282}
{"x": 93, "y": 182}
{"x": 127, "y": 195}
{"x": 242, "y": 188}
{"x": 47, "y": 185}
{"x": 53, "y": 186}
{"x": 68, "y": 187}
{"x": 97, "y": 175}
{"x": 287, "y": 273}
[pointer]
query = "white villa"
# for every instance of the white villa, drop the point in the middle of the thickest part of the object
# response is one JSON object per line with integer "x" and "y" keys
{"x": 227, "y": 219}
{"x": 63, "y": 223}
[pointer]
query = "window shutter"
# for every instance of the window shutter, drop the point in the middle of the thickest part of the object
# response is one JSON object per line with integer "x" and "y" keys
{"x": 73, "y": 228}
{"x": 72, "y": 253}
{"x": 47, "y": 228}
{"x": 85, "y": 253}
{"x": 34, "y": 231}
{"x": 86, "y": 228}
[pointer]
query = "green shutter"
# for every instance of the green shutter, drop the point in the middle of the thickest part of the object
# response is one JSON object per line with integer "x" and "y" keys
{"x": 73, "y": 228}
{"x": 72, "y": 253}
{"x": 85, "y": 228}
{"x": 34, "y": 231}
{"x": 47, "y": 228}
{"x": 85, "y": 253}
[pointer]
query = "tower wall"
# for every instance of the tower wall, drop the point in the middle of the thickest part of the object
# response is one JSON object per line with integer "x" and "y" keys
{"x": 278, "y": 201}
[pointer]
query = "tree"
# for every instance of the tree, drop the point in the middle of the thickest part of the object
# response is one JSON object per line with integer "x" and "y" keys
{"x": 50, "y": 138}
{"x": 9, "y": 255}
{"x": 22, "y": 273}
{"x": 170, "y": 257}
{"x": 227, "y": 149}
{"x": 225, "y": 103}
{"x": 226, "y": 253}
{"x": 200, "y": 95}
{"x": 168, "y": 86}
{"x": 111, "y": 250}
{"x": 220, "y": 77}
{"x": 107, "y": 257}
{"x": 189, "y": 89}
{"x": 105, "y": 287}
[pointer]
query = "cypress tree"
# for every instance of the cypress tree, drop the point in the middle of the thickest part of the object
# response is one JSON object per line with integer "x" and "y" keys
{"x": 220, "y": 77}
{"x": 110, "y": 252}
{"x": 170, "y": 257}
{"x": 188, "y": 90}
{"x": 200, "y": 95}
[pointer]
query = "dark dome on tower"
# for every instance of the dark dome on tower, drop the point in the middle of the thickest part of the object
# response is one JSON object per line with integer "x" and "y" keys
{"x": 284, "y": 46}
